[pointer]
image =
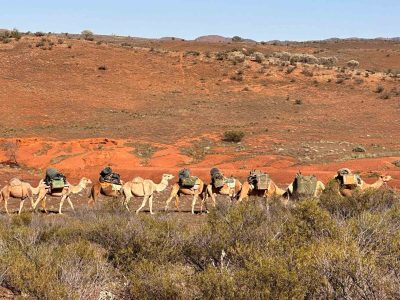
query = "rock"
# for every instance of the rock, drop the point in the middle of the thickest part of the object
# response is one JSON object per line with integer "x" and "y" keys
{"x": 396, "y": 163}
{"x": 359, "y": 149}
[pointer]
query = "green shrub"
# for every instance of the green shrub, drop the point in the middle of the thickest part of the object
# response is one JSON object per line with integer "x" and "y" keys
{"x": 379, "y": 88}
{"x": 15, "y": 34}
{"x": 234, "y": 136}
{"x": 87, "y": 35}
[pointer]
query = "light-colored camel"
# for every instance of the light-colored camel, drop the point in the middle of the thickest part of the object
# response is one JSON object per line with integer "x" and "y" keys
{"x": 225, "y": 190}
{"x": 177, "y": 191}
{"x": 363, "y": 186}
{"x": 105, "y": 189}
{"x": 20, "y": 190}
{"x": 145, "y": 188}
{"x": 64, "y": 193}
{"x": 248, "y": 190}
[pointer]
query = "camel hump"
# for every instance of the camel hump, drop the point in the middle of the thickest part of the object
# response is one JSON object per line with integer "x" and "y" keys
{"x": 15, "y": 182}
{"x": 137, "y": 180}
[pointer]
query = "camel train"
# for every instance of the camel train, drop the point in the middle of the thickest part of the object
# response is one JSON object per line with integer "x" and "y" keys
{"x": 258, "y": 183}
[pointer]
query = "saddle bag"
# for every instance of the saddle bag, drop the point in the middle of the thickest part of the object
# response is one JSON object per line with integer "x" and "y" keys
{"x": 57, "y": 184}
{"x": 188, "y": 182}
{"x": 304, "y": 186}
{"x": 350, "y": 181}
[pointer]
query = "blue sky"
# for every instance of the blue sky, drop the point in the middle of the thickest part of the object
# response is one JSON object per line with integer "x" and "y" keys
{"x": 259, "y": 20}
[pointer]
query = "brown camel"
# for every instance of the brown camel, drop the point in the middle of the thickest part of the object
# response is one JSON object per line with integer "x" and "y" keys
{"x": 64, "y": 192}
{"x": 362, "y": 186}
{"x": 177, "y": 191}
{"x": 106, "y": 189}
{"x": 248, "y": 190}
{"x": 231, "y": 190}
{"x": 145, "y": 188}
{"x": 20, "y": 190}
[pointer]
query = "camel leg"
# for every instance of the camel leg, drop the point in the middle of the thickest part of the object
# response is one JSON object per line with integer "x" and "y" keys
{"x": 174, "y": 193}
{"x": 201, "y": 204}
{"x": 41, "y": 196}
{"x": 70, "y": 203}
{"x": 94, "y": 194}
{"x": 126, "y": 201}
{"x": 21, "y": 205}
{"x": 128, "y": 195}
{"x": 194, "y": 202}
{"x": 6, "y": 204}
{"x": 177, "y": 207}
{"x": 44, "y": 204}
{"x": 61, "y": 204}
{"x": 32, "y": 202}
{"x": 145, "y": 198}
{"x": 214, "y": 199}
{"x": 151, "y": 204}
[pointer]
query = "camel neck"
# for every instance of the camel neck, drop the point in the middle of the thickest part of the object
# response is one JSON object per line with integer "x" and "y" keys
{"x": 162, "y": 185}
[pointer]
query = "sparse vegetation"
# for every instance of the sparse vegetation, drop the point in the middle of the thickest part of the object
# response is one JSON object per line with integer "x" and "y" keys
{"x": 234, "y": 136}
{"x": 192, "y": 53}
{"x": 237, "y": 39}
{"x": 359, "y": 149}
{"x": 11, "y": 149}
{"x": 144, "y": 151}
{"x": 87, "y": 35}
{"x": 333, "y": 248}
{"x": 353, "y": 64}
{"x": 294, "y": 58}
{"x": 339, "y": 80}
{"x": 298, "y": 102}
{"x": 379, "y": 89}
{"x": 385, "y": 95}
{"x": 197, "y": 151}
{"x": 307, "y": 72}
{"x": 290, "y": 69}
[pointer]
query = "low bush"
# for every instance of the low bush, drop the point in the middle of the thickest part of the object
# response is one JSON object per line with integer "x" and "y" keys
{"x": 307, "y": 72}
{"x": 234, "y": 136}
{"x": 87, "y": 35}
{"x": 353, "y": 64}
{"x": 327, "y": 248}
{"x": 379, "y": 89}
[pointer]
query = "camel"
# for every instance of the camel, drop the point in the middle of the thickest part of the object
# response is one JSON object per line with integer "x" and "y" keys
{"x": 363, "y": 186}
{"x": 105, "y": 189}
{"x": 177, "y": 190}
{"x": 226, "y": 190}
{"x": 248, "y": 190}
{"x": 64, "y": 193}
{"x": 145, "y": 188}
{"x": 20, "y": 190}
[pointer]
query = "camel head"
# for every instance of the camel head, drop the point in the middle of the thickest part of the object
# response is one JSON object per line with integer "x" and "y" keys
{"x": 85, "y": 181}
{"x": 385, "y": 178}
{"x": 167, "y": 176}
